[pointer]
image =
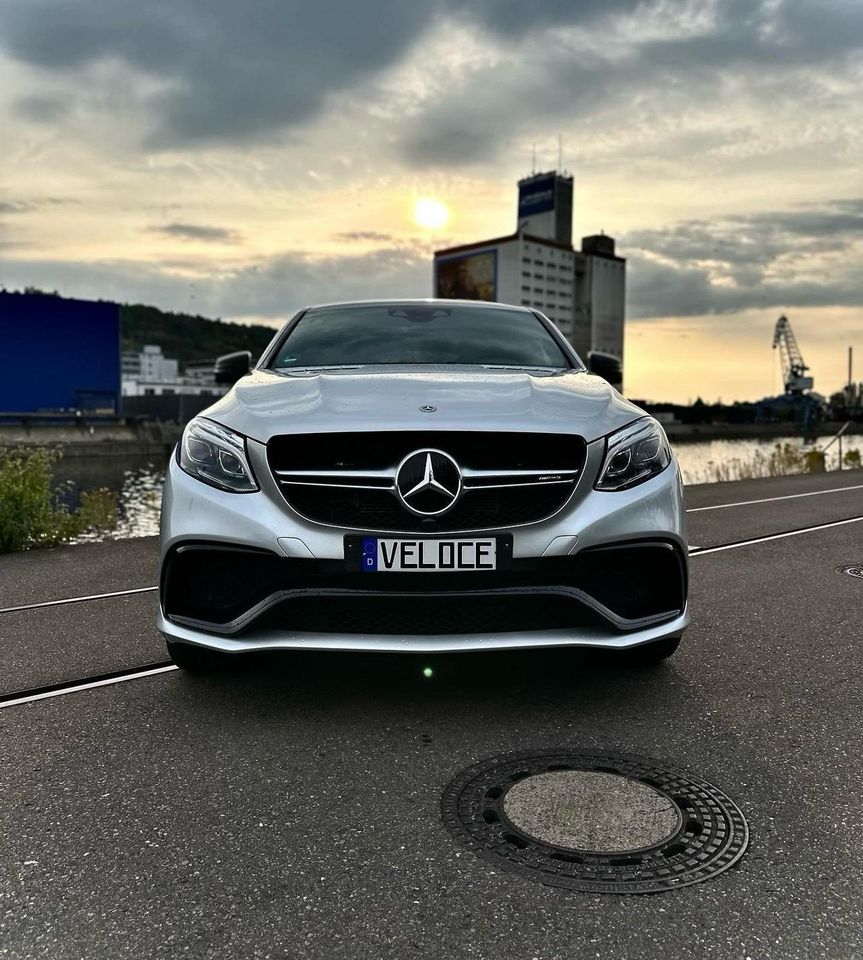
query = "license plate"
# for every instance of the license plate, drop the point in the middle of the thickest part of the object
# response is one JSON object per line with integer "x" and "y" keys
{"x": 380, "y": 555}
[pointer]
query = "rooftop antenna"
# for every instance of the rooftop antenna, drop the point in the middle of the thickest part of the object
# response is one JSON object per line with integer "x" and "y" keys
{"x": 559, "y": 153}
{"x": 533, "y": 159}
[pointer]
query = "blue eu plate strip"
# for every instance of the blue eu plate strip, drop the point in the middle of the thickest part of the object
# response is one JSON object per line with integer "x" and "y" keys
{"x": 370, "y": 554}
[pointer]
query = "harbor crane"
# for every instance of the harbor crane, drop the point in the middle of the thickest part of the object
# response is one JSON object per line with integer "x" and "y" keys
{"x": 793, "y": 367}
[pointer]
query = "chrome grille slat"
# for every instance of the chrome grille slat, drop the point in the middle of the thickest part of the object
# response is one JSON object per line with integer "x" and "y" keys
{"x": 335, "y": 485}
{"x": 473, "y": 479}
{"x": 378, "y": 474}
{"x": 534, "y": 483}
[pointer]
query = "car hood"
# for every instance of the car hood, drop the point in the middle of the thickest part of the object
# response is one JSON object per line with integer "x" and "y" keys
{"x": 266, "y": 404}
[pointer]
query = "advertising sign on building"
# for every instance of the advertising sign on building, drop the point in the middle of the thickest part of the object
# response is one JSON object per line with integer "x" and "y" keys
{"x": 536, "y": 196}
{"x": 468, "y": 276}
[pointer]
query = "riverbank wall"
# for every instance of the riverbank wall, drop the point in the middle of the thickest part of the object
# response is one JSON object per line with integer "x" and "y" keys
{"x": 124, "y": 438}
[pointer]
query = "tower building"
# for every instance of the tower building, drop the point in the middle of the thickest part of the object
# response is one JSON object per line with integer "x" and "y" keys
{"x": 581, "y": 291}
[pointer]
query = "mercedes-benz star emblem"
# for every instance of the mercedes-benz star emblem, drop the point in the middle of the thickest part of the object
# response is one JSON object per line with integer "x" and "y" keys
{"x": 428, "y": 482}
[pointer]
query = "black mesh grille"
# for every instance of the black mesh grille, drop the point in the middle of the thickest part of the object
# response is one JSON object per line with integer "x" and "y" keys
{"x": 380, "y": 510}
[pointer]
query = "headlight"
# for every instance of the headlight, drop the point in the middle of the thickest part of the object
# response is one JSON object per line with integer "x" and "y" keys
{"x": 217, "y": 456}
{"x": 634, "y": 454}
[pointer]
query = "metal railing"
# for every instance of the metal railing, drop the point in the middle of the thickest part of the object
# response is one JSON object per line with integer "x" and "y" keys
{"x": 838, "y": 436}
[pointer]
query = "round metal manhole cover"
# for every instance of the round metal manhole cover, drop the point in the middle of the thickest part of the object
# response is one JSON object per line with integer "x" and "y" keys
{"x": 594, "y": 822}
{"x": 851, "y": 569}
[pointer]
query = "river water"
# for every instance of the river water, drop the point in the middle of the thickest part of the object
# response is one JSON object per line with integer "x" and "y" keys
{"x": 138, "y": 485}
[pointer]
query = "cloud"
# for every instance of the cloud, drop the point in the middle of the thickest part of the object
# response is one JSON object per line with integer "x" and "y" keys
{"x": 663, "y": 290}
{"x": 41, "y": 109}
{"x": 195, "y": 231}
{"x": 363, "y": 236}
{"x": 672, "y": 65}
{"x": 225, "y": 73}
{"x": 804, "y": 257}
{"x": 693, "y": 268}
{"x": 15, "y": 206}
{"x": 272, "y": 287}
{"x": 32, "y": 205}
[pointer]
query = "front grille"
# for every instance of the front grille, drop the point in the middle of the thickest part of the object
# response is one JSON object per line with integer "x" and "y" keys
{"x": 217, "y": 586}
{"x": 347, "y": 480}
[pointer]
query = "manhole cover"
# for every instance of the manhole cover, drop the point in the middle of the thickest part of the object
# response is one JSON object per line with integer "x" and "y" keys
{"x": 852, "y": 569}
{"x": 594, "y": 822}
{"x": 600, "y": 812}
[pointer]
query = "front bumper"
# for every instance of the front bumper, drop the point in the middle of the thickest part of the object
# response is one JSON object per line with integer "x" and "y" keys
{"x": 559, "y": 562}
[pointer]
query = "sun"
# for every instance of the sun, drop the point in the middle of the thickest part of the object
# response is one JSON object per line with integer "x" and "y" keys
{"x": 431, "y": 214}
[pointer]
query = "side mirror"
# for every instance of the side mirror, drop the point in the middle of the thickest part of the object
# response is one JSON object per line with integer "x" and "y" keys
{"x": 229, "y": 368}
{"x": 606, "y": 366}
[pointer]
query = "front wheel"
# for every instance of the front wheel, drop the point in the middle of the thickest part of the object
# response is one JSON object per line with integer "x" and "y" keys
{"x": 195, "y": 659}
{"x": 651, "y": 653}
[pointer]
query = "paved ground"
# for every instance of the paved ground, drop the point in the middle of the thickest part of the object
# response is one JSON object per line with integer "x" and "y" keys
{"x": 292, "y": 810}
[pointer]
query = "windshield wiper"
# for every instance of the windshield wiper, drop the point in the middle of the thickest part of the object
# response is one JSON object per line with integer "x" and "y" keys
{"x": 333, "y": 366}
{"x": 517, "y": 366}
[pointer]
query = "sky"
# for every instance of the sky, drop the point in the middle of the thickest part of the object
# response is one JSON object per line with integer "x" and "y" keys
{"x": 241, "y": 160}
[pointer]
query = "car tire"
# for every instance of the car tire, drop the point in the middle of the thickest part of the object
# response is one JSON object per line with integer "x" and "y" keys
{"x": 652, "y": 653}
{"x": 195, "y": 659}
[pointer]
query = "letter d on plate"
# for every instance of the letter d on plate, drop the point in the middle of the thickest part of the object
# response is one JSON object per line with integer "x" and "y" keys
{"x": 370, "y": 554}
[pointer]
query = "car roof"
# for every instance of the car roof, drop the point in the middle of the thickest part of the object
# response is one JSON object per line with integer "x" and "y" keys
{"x": 416, "y": 301}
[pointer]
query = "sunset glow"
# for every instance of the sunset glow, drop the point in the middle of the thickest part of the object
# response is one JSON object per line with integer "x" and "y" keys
{"x": 430, "y": 214}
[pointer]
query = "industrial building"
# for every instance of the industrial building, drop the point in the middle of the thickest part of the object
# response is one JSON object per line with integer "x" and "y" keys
{"x": 581, "y": 291}
{"x": 64, "y": 355}
{"x": 149, "y": 373}
{"x": 149, "y": 364}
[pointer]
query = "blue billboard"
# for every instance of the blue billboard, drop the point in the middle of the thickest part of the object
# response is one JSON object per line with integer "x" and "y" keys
{"x": 536, "y": 195}
{"x": 61, "y": 355}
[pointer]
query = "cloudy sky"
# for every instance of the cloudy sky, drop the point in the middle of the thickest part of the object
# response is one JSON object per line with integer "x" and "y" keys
{"x": 242, "y": 159}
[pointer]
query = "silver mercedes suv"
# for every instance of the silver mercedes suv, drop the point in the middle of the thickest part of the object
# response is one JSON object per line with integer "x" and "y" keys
{"x": 420, "y": 475}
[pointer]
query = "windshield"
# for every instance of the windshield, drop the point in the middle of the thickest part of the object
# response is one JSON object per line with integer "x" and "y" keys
{"x": 419, "y": 334}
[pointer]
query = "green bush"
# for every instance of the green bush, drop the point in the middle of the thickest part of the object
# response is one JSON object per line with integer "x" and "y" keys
{"x": 815, "y": 461}
{"x": 852, "y": 459}
{"x": 783, "y": 459}
{"x": 30, "y": 515}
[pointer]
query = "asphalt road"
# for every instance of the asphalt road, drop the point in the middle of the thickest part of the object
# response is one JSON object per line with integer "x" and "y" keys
{"x": 291, "y": 809}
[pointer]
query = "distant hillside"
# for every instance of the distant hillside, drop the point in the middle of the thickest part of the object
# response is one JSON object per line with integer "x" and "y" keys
{"x": 186, "y": 337}
{"x": 182, "y": 336}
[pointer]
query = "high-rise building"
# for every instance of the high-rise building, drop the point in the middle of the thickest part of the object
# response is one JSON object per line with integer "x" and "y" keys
{"x": 581, "y": 291}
